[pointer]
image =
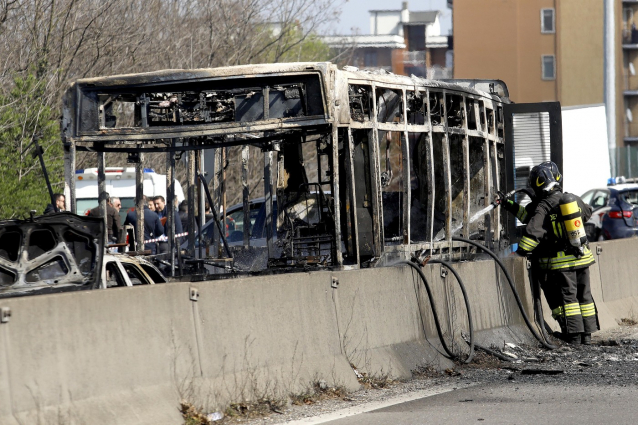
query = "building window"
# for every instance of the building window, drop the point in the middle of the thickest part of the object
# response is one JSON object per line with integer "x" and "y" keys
{"x": 370, "y": 59}
{"x": 547, "y": 21}
{"x": 549, "y": 67}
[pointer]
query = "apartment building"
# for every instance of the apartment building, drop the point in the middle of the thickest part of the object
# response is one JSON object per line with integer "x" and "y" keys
{"x": 550, "y": 50}
{"x": 400, "y": 41}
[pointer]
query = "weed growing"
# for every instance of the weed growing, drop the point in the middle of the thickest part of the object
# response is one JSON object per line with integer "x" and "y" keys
{"x": 192, "y": 415}
{"x": 318, "y": 392}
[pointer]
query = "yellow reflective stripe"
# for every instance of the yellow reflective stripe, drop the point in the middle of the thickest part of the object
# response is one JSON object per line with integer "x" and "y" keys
{"x": 522, "y": 213}
{"x": 558, "y": 261}
{"x": 555, "y": 230}
{"x": 560, "y": 230}
{"x": 565, "y": 261}
{"x": 572, "y": 309}
{"x": 588, "y": 309}
{"x": 527, "y": 244}
{"x": 557, "y": 312}
{"x": 565, "y": 265}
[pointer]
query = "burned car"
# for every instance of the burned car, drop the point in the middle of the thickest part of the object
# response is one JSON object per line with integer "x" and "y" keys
{"x": 64, "y": 252}
{"x": 49, "y": 254}
{"x": 121, "y": 270}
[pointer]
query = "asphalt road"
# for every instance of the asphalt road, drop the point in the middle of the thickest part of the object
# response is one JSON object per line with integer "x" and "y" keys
{"x": 595, "y": 384}
{"x": 514, "y": 402}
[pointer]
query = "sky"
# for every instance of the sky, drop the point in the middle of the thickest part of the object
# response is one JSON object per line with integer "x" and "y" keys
{"x": 354, "y": 13}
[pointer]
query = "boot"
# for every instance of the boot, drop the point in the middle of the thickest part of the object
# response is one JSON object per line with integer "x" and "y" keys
{"x": 585, "y": 338}
{"x": 573, "y": 338}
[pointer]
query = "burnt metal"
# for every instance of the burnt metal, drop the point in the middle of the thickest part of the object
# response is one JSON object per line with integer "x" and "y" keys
{"x": 169, "y": 229}
{"x": 101, "y": 187}
{"x": 53, "y": 253}
{"x": 555, "y": 138}
{"x": 139, "y": 203}
{"x": 245, "y": 153}
{"x": 216, "y": 219}
{"x": 407, "y": 161}
{"x": 191, "y": 191}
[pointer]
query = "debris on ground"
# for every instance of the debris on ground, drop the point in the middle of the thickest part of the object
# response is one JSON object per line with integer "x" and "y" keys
{"x": 611, "y": 359}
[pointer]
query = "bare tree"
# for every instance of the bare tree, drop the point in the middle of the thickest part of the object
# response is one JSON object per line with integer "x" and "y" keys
{"x": 59, "y": 41}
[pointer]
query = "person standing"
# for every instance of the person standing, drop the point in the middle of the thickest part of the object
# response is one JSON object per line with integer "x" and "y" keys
{"x": 183, "y": 215}
{"x": 112, "y": 217}
{"x": 152, "y": 226}
{"x": 59, "y": 206}
{"x": 160, "y": 209}
{"x": 562, "y": 261}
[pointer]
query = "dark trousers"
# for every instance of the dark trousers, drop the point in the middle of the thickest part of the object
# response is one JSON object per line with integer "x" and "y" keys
{"x": 568, "y": 294}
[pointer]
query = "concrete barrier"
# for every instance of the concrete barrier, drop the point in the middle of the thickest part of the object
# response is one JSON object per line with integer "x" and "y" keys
{"x": 618, "y": 271}
{"x": 129, "y": 355}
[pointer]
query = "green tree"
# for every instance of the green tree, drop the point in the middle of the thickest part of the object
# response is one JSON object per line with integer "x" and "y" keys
{"x": 291, "y": 44}
{"x": 24, "y": 115}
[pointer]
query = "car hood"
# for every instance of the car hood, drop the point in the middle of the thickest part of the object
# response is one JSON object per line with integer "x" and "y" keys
{"x": 52, "y": 253}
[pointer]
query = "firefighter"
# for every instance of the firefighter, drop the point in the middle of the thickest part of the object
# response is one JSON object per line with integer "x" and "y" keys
{"x": 555, "y": 240}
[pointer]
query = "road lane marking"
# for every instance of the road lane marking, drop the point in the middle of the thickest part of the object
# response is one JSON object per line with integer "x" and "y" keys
{"x": 376, "y": 405}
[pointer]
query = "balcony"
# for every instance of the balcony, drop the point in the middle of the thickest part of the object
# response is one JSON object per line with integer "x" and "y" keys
{"x": 630, "y": 38}
{"x": 416, "y": 57}
{"x": 631, "y": 134}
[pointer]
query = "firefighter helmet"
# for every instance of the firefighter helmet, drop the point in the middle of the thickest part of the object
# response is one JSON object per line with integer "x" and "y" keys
{"x": 541, "y": 179}
{"x": 554, "y": 169}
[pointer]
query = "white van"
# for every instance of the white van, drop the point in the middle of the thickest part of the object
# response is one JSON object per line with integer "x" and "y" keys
{"x": 120, "y": 182}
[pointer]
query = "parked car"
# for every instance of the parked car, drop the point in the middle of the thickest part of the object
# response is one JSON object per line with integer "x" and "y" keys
{"x": 235, "y": 225}
{"x": 615, "y": 212}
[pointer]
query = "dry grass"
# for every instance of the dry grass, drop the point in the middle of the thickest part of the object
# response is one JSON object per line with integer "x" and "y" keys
{"x": 238, "y": 412}
{"x": 426, "y": 372}
{"x": 192, "y": 415}
{"x": 319, "y": 392}
{"x": 372, "y": 382}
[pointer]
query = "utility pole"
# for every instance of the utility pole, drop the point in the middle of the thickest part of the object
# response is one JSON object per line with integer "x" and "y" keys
{"x": 610, "y": 80}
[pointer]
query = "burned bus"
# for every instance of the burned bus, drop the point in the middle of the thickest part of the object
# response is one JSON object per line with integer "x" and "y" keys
{"x": 356, "y": 168}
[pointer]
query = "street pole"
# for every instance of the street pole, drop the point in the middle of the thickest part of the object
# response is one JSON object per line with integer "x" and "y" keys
{"x": 610, "y": 80}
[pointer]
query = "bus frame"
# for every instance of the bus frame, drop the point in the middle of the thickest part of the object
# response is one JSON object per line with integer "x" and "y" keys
{"x": 445, "y": 137}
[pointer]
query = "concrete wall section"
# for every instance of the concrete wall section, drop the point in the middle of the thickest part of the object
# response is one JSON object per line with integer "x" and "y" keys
{"x": 80, "y": 357}
{"x": 383, "y": 326}
{"x": 271, "y": 335}
{"x": 618, "y": 272}
{"x": 129, "y": 355}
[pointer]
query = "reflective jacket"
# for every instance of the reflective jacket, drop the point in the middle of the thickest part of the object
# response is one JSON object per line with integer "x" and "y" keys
{"x": 522, "y": 213}
{"x": 545, "y": 236}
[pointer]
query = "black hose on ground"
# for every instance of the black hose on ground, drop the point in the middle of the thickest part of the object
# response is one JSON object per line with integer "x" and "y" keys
{"x": 470, "y": 324}
{"x": 511, "y": 283}
{"x": 538, "y": 307}
{"x": 417, "y": 268}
